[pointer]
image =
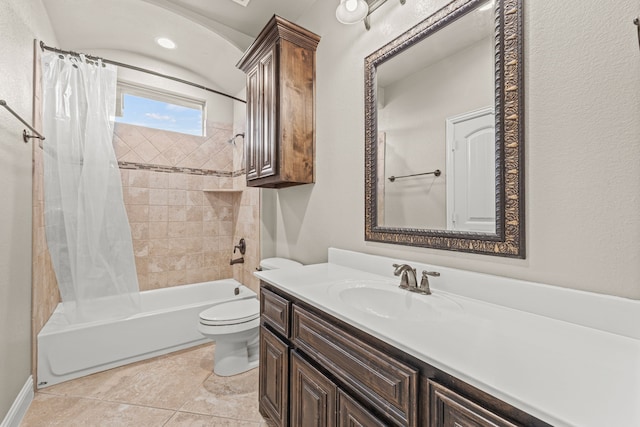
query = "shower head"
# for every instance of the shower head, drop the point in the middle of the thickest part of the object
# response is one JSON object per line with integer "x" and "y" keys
{"x": 233, "y": 140}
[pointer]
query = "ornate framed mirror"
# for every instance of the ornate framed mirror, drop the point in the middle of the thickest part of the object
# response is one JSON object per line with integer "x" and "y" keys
{"x": 444, "y": 146}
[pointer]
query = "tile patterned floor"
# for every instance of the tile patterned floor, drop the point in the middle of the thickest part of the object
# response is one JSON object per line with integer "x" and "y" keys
{"x": 178, "y": 389}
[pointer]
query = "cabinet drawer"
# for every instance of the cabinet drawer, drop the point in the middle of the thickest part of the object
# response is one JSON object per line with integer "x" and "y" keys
{"x": 448, "y": 408}
{"x": 389, "y": 385}
{"x": 275, "y": 310}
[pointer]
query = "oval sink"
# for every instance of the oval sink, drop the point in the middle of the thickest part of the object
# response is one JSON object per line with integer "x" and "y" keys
{"x": 379, "y": 302}
{"x": 386, "y": 300}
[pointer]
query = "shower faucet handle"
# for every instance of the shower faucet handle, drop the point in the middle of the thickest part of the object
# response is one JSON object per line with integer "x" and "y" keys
{"x": 242, "y": 245}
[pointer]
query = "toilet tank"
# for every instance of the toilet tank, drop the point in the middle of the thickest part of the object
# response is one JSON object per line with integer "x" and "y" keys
{"x": 278, "y": 263}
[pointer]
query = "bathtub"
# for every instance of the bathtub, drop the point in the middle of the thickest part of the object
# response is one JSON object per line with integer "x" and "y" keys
{"x": 167, "y": 322}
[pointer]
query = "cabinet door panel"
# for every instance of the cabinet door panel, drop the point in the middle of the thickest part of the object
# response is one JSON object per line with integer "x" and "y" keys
{"x": 449, "y": 409}
{"x": 252, "y": 139}
{"x": 351, "y": 414}
{"x": 274, "y": 378}
{"x": 275, "y": 310}
{"x": 383, "y": 381}
{"x": 313, "y": 396}
{"x": 268, "y": 152}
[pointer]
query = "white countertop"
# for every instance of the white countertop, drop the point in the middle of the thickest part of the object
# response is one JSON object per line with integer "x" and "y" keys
{"x": 564, "y": 373}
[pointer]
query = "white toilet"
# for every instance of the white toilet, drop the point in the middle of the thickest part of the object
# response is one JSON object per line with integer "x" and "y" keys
{"x": 234, "y": 326}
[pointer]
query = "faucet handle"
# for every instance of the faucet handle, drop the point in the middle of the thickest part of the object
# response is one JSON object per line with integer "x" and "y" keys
{"x": 424, "y": 283}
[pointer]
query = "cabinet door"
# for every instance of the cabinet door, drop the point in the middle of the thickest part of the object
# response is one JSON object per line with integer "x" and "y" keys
{"x": 252, "y": 140}
{"x": 351, "y": 414}
{"x": 274, "y": 378}
{"x": 268, "y": 150}
{"x": 313, "y": 396}
{"x": 449, "y": 409}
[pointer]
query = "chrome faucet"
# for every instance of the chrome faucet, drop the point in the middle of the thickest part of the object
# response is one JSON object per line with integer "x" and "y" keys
{"x": 424, "y": 288}
{"x": 407, "y": 276}
{"x": 408, "y": 279}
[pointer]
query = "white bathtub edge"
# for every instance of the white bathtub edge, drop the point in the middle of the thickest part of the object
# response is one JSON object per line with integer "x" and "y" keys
{"x": 20, "y": 405}
{"x": 66, "y": 352}
{"x": 116, "y": 364}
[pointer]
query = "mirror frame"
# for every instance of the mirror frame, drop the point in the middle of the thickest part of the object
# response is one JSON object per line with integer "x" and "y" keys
{"x": 509, "y": 238}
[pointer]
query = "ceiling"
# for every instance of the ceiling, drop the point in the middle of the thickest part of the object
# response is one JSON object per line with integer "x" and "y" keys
{"x": 211, "y": 35}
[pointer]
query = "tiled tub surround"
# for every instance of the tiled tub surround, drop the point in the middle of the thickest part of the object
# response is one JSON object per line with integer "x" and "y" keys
{"x": 183, "y": 229}
{"x": 137, "y": 144}
{"x": 567, "y": 357}
{"x": 181, "y": 233}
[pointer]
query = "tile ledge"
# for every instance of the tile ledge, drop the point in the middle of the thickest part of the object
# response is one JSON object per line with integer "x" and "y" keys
{"x": 222, "y": 190}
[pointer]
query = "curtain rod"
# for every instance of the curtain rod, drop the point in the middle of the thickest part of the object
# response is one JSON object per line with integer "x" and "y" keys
{"x": 143, "y": 70}
{"x": 25, "y": 135}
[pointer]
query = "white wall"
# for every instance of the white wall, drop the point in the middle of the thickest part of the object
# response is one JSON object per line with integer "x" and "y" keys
{"x": 582, "y": 127}
{"x": 414, "y": 120}
{"x": 21, "y": 21}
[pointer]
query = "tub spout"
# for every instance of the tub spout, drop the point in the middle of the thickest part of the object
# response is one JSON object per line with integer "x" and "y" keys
{"x": 237, "y": 261}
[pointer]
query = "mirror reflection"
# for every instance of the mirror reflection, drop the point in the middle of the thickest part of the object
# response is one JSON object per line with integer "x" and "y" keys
{"x": 436, "y": 152}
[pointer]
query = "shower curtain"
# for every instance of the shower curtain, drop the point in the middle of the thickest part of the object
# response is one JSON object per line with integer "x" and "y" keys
{"x": 86, "y": 224}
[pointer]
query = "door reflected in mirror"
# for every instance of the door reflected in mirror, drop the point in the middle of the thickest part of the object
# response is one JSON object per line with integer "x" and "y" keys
{"x": 435, "y": 110}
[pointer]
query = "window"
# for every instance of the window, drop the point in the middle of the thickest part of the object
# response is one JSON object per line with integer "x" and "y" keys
{"x": 152, "y": 108}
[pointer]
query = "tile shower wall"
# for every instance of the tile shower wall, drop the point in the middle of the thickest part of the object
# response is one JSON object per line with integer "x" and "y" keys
{"x": 185, "y": 208}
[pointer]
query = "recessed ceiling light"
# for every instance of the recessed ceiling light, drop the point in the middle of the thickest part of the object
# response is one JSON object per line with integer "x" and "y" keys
{"x": 166, "y": 43}
{"x": 244, "y": 3}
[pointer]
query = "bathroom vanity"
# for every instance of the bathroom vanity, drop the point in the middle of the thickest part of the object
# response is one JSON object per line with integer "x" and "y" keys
{"x": 341, "y": 344}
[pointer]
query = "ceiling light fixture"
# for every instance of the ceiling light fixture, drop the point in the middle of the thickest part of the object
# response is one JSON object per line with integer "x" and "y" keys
{"x": 166, "y": 43}
{"x": 354, "y": 11}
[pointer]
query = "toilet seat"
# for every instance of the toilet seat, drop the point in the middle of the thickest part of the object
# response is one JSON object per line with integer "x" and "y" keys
{"x": 231, "y": 313}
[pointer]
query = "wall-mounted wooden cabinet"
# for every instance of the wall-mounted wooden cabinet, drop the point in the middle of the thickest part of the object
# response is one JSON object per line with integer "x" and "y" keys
{"x": 280, "y": 135}
{"x": 315, "y": 370}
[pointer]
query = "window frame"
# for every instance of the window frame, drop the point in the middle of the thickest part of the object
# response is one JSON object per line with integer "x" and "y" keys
{"x": 159, "y": 95}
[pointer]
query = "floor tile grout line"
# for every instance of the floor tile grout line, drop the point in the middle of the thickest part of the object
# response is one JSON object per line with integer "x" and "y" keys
{"x": 194, "y": 391}
{"x": 162, "y": 358}
{"x": 190, "y": 391}
{"x": 220, "y": 416}
{"x": 118, "y": 402}
{"x": 170, "y": 418}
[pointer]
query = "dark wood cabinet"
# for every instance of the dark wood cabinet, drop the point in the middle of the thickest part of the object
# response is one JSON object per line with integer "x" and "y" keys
{"x": 280, "y": 135}
{"x": 352, "y": 414}
{"x": 275, "y": 311}
{"x": 273, "y": 380}
{"x": 449, "y": 409}
{"x": 378, "y": 378}
{"x": 313, "y": 396}
{"x": 316, "y": 370}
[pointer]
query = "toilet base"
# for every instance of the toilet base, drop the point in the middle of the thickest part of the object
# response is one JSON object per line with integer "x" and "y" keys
{"x": 233, "y": 358}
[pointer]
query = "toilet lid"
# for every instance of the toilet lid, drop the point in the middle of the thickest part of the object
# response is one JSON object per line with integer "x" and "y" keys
{"x": 277, "y": 263}
{"x": 231, "y": 313}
